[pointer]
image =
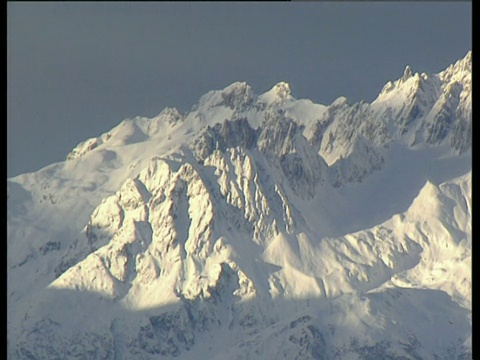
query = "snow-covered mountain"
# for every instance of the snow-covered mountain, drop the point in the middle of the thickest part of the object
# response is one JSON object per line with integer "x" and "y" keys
{"x": 254, "y": 227}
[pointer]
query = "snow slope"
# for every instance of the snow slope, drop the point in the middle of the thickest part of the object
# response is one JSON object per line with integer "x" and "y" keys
{"x": 254, "y": 227}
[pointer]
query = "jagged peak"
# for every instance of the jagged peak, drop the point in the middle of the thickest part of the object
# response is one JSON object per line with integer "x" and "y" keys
{"x": 407, "y": 74}
{"x": 389, "y": 86}
{"x": 171, "y": 115}
{"x": 170, "y": 111}
{"x": 260, "y": 196}
{"x": 458, "y": 70}
{"x": 282, "y": 89}
{"x": 232, "y": 96}
{"x": 278, "y": 93}
{"x": 237, "y": 86}
{"x": 340, "y": 101}
{"x": 465, "y": 63}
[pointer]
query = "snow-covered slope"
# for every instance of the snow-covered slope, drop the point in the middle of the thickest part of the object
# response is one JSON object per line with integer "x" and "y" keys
{"x": 254, "y": 227}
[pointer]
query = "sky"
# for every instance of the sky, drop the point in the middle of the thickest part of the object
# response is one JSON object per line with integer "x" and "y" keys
{"x": 75, "y": 70}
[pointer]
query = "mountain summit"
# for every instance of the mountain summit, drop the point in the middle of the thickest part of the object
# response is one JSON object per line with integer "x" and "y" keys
{"x": 254, "y": 227}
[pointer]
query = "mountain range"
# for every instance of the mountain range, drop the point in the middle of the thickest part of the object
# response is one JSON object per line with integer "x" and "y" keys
{"x": 254, "y": 227}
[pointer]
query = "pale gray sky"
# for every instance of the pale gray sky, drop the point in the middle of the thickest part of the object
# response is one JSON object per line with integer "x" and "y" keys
{"x": 75, "y": 70}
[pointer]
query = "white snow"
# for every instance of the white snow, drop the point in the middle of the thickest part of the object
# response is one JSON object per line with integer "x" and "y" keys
{"x": 338, "y": 230}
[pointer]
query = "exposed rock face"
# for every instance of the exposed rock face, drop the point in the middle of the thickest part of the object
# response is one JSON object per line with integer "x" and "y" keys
{"x": 202, "y": 235}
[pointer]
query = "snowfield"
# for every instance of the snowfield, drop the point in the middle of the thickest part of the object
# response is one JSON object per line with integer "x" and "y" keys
{"x": 254, "y": 227}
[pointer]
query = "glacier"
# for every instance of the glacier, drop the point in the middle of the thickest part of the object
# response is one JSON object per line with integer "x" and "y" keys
{"x": 254, "y": 227}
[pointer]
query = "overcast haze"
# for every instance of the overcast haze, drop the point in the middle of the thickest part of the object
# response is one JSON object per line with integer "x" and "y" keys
{"x": 75, "y": 70}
